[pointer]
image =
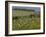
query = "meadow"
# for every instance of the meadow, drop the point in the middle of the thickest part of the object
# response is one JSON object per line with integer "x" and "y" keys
{"x": 25, "y": 20}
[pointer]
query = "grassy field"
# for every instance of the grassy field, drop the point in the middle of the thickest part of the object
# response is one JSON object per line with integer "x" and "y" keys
{"x": 22, "y": 21}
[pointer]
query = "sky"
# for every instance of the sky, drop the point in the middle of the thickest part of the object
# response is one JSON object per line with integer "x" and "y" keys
{"x": 36, "y": 9}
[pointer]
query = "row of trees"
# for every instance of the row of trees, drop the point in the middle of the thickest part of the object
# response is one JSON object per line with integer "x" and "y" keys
{"x": 32, "y": 15}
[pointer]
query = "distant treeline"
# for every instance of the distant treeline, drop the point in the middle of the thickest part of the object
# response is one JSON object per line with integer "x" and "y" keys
{"x": 25, "y": 10}
{"x": 30, "y": 16}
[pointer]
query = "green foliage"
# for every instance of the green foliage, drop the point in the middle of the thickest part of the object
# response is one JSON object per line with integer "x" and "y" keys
{"x": 25, "y": 22}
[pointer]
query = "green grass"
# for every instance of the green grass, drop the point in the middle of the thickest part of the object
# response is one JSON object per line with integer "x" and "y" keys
{"x": 25, "y": 22}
